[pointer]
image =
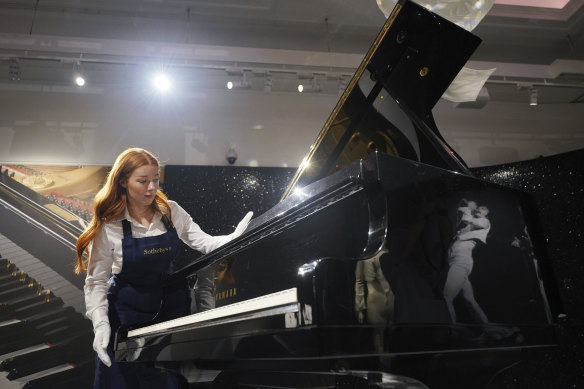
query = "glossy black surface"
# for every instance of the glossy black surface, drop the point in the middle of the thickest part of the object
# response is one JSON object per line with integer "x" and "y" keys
{"x": 387, "y": 106}
{"x": 316, "y": 251}
{"x": 556, "y": 185}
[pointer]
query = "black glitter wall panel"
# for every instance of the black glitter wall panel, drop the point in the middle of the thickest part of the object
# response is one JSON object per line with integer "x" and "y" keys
{"x": 218, "y": 197}
{"x": 557, "y": 186}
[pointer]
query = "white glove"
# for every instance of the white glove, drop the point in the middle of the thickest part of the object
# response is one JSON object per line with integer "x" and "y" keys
{"x": 100, "y": 342}
{"x": 241, "y": 227}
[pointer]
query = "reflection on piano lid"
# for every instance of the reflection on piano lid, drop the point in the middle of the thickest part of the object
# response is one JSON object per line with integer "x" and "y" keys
{"x": 258, "y": 306}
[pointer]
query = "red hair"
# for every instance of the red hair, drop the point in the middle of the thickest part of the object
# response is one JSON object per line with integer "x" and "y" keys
{"x": 110, "y": 201}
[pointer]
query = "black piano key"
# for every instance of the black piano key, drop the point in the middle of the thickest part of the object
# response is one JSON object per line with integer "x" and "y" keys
{"x": 60, "y": 323}
{"x": 22, "y": 300}
{"x": 82, "y": 337}
{"x": 8, "y": 268}
{"x": 20, "y": 291}
{"x": 21, "y": 343}
{"x": 14, "y": 331}
{"x": 10, "y": 284}
{"x": 44, "y": 323}
{"x": 16, "y": 275}
{"x": 79, "y": 378}
{"x": 7, "y": 310}
{"x": 28, "y": 358}
{"x": 74, "y": 351}
{"x": 42, "y": 306}
{"x": 20, "y": 309}
{"x": 52, "y": 357}
{"x": 62, "y": 335}
{"x": 42, "y": 317}
{"x": 13, "y": 274}
{"x": 4, "y": 277}
{"x": 13, "y": 289}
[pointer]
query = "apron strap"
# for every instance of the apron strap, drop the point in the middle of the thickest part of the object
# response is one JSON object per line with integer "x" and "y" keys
{"x": 127, "y": 229}
{"x": 167, "y": 223}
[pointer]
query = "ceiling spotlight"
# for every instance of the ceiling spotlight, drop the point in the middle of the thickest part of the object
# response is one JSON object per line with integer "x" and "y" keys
{"x": 78, "y": 74}
{"x": 239, "y": 84}
{"x": 79, "y": 80}
{"x": 162, "y": 83}
{"x": 533, "y": 96}
{"x": 312, "y": 87}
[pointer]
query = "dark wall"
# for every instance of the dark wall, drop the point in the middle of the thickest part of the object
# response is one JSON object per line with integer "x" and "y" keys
{"x": 218, "y": 197}
{"x": 556, "y": 185}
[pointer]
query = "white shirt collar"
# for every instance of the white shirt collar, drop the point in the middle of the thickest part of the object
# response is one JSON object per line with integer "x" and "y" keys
{"x": 126, "y": 215}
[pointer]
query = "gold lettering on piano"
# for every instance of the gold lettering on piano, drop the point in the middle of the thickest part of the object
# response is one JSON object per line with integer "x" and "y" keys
{"x": 225, "y": 294}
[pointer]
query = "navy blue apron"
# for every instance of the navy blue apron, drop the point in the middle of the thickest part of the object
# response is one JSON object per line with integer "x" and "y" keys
{"x": 136, "y": 295}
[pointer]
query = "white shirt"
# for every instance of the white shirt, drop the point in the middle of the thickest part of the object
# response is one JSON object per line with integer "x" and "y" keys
{"x": 105, "y": 253}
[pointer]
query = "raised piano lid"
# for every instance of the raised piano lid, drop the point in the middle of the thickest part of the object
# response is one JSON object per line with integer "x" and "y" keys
{"x": 387, "y": 106}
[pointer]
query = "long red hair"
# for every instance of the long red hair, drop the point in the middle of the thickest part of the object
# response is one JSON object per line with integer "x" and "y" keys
{"x": 110, "y": 201}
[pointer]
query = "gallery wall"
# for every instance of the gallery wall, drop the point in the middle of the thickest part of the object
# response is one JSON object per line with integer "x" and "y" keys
{"x": 267, "y": 129}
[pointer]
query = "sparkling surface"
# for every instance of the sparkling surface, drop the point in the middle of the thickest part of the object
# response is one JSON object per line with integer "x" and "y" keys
{"x": 218, "y": 197}
{"x": 557, "y": 186}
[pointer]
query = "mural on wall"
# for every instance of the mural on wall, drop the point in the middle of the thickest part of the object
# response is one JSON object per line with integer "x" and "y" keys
{"x": 69, "y": 189}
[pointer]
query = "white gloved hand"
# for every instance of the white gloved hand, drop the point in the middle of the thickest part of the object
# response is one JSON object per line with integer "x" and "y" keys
{"x": 100, "y": 342}
{"x": 241, "y": 227}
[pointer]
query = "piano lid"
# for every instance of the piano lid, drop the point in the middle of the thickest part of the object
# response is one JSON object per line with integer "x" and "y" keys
{"x": 387, "y": 106}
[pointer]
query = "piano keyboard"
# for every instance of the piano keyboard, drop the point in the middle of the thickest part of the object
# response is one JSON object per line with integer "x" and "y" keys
{"x": 269, "y": 301}
{"x": 9, "y": 322}
{"x": 44, "y": 373}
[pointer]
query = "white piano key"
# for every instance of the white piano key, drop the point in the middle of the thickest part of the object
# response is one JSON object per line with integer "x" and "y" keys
{"x": 23, "y": 351}
{"x": 9, "y": 322}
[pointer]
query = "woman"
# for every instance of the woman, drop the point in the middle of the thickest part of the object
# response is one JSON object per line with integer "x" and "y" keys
{"x": 131, "y": 241}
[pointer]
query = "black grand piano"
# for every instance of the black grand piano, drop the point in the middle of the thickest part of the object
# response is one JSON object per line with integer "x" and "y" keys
{"x": 386, "y": 264}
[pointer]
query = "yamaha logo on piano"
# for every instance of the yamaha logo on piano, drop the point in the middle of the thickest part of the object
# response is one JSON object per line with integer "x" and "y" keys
{"x": 226, "y": 294}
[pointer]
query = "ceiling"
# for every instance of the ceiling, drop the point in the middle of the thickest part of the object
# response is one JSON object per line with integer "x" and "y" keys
{"x": 271, "y": 45}
{"x": 42, "y": 40}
